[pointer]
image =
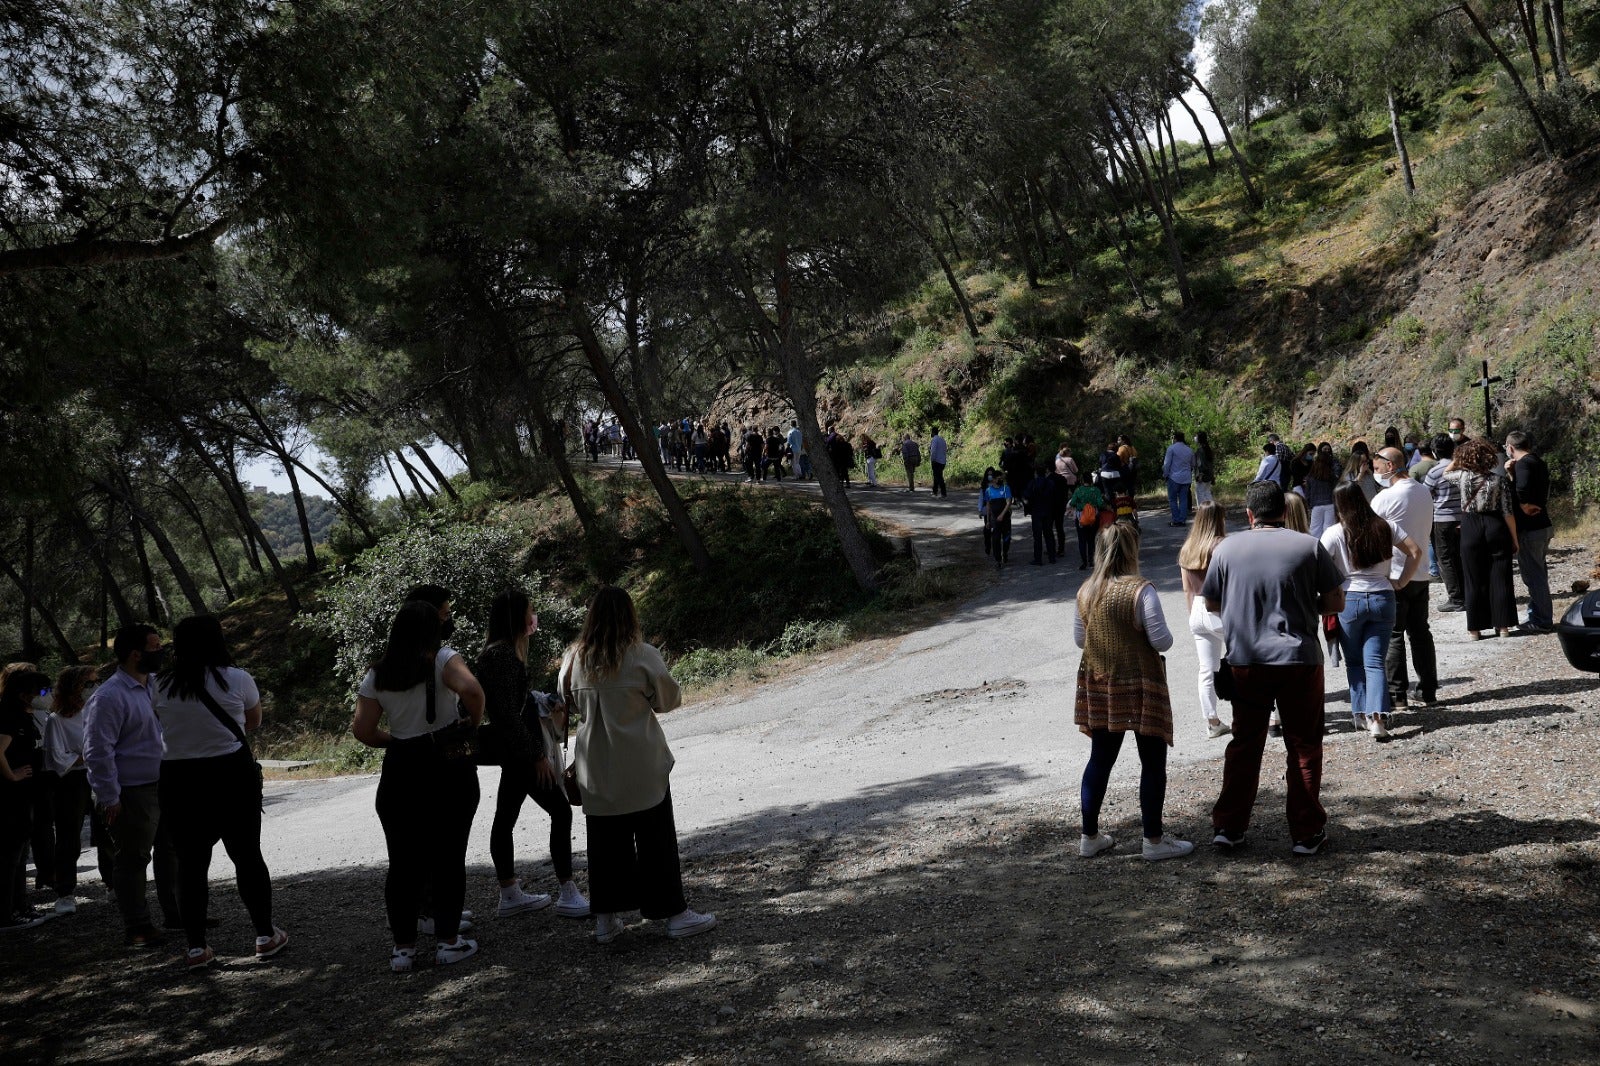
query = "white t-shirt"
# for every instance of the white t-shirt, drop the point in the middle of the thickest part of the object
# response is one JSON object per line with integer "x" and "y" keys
{"x": 190, "y": 731}
{"x": 407, "y": 710}
{"x": 1374, "y": 578}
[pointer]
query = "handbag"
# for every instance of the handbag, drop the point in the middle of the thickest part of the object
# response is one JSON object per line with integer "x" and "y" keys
{"x": 456, "y": 742}
{"x": 1223, "y": 680}
{"x": 238, "y": 734}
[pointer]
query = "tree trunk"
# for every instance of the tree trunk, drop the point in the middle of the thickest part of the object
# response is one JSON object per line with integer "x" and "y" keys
{"x": 1169, "y": 231}
{"x": 411, "y": 475}
{"x": 1546, "y": 141}
{"x": 1004, "y": 205}
{"x": 122, "y": 488}
{"x": 1400, "y": 146}
{"x": 944, "y": 265}
{"x": 153, "y": 602}
{"x": 949, "y": 233}
{"x": 1211, "y": 156}
{"x": 555, "y": 448}
{"x": 241, "y": 509}
{"x": 1122, "y": 225}
{"x": 312, "y": 565}
{"x": 1555, "y": 31}
{"x": 244, "y": 530}
{"x": 649, "y": 458}
{"x": 1172, "y": 142}
{"x": 1163, "y": 182}
{"x": 1032, "y": 204}
{"x": 187, "y": 503}
{"x": 433, "y": 468}
{"x": 1530, "y": 30}
{"x": 387, "y": 465}
{"x": 29, "y": 650}
{"x": 1250, "y": 192}
{"x": 25, "y": 586}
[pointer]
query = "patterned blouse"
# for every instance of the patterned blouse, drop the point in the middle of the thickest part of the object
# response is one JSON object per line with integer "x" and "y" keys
{"x": 1482, "y": 495}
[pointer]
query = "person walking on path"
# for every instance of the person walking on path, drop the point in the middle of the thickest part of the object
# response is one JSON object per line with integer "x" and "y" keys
{"x": 526, "y": 769}
{"x": 799, "y": 461}
{"x": 870, "y": 454}
{"x": 1177, "y": 470}
{"x": 997, "y": 504}
{"x": 211, "y": 783}
{"x": 1066, "y": 465}
{"x": 1060, "y": 492}
{"x": 1087, "y": 503}
{"x": 1194, "y": 559}
{"x": 1271, "y": 586}
{"x": 1270, "y": 467}
{"x": 1488, "y": 537}
{"x": 1362, "y": 545}
{"x": 1039, "y": 498}
{"x": 1122, "y": 688}
{"x": 63, "y": 750}
{"x": 1205, "y": 468}
{"x": 1406, "y": 504}
{"x": 911, "y": 456}
{"x": 1530, "y": 480}
{"x": 774, "y": 458}
{"x": 1446, "y": 524}
{"x": 1318, "y": 487}
{"x": 938, "y": 456}
{"x": 428, "y": 789}
{"x": 19, "y": 754}
{"x": 122, "y": 748}
{"x": 619, "y": 686}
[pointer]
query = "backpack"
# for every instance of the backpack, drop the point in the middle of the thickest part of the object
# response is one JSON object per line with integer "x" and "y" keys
{"x": 1089, "y": 516}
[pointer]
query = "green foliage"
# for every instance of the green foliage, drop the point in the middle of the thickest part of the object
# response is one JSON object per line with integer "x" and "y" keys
{"x": 921, "y": 405}
{"x": 1409, "y": 330}
{"x": 474, "y": 563}
{"x": 275, "y": 513}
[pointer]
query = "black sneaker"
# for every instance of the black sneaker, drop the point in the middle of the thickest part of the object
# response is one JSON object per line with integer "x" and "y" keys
{"x": 1312, "y": 846}
{"x": 1453, "y": 608}
{"x": 1228, "y": 841}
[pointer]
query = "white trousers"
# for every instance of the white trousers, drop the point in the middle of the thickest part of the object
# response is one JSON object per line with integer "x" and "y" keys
{"x": 1207, "y": 629}
{"x": 872, "y": 472}
{"x": 1202, "y": 492}
{"x": 1322, "y": 516}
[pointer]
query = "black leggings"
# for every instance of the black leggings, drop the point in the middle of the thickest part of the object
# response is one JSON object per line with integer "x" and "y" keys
{"x": 1086, "y": 535}
{"x": 73, "y": 802}
{"x": 426, "y": 806}
{"x": 518, "y": 782}
{"x": 16, "y": 822}
{"x": 204, "y": 801}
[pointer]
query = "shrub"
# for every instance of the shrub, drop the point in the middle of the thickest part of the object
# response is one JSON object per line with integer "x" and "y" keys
{"x": 474, "y": 563}
{"x": 1409, "y": 331}
{"x": 805, "y": 638}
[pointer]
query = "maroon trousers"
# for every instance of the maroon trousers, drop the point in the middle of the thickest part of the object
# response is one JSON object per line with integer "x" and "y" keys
{"x": 1297, "y": 690}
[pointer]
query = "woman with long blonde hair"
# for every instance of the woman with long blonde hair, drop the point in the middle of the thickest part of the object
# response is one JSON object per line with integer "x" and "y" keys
{"x": 618, "y": 686}
{"x": 1122, "y": 688}
{"x": 1194, "y": 560}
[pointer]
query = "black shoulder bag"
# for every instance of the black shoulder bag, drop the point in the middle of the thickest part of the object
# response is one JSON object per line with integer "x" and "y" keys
{"x": 233, "y": 727}
{"x": 456, "y": 742}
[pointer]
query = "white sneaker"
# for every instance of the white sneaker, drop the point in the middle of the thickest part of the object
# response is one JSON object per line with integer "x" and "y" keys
{"x": 461, "y": 948}
{"x": 425, "y": 925}
{"x": 1217, "y": 728}
{"x": 1089, "y": 847}
{"x": 66, "y": 905}
{"x": 403, "y": 959}
{"x": 690, "y": 923}
{"x": 1168, "y": 848}
{"x": 1376, "y": 726}
{"x": 571, "y": 904}
{"x": 514, "y": 900}
{"x": 1359, "y": 721}
{"x": 607, "y": 927}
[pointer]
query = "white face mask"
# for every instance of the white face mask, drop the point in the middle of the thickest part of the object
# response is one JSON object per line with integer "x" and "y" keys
{"x": 1383, "y": 480}
{"x": 41, "y": 703}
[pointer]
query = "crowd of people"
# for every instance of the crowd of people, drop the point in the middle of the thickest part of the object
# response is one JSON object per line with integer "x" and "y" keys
{"x": 156, "y": 758}
{"x": 1333, "y": 555}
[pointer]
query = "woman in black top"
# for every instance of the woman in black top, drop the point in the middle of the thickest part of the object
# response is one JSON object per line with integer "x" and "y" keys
{"x": 527, "y": 764}
{"x": 19, "y": 756}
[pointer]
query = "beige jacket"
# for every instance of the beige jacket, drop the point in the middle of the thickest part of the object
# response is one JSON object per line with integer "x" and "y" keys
{"x": 621, "y": 754}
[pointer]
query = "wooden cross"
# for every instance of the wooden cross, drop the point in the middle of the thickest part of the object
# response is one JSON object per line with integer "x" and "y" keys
{"x": 1483, "y": 383}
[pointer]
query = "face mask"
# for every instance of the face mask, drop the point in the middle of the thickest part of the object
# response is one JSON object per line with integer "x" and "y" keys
{"x": 447, "y": 627}
{"x": 1456, "y": 434}
{"x": 1384, "y": 480}
{"x": 41, "y": 703}
{"x": 151, "y": 662}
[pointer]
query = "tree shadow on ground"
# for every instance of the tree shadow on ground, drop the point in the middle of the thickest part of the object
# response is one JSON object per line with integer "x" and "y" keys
{"x": 926, "y": 936}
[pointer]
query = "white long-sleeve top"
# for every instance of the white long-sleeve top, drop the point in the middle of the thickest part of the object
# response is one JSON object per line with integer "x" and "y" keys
{"x": 1150, "y": 617}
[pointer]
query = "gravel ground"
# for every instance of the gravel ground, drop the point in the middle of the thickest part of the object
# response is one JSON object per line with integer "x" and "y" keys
{"x": 1455, "y": 918}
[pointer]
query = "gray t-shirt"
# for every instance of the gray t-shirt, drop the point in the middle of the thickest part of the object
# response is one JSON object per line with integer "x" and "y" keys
{"x": 1269, "y": 581}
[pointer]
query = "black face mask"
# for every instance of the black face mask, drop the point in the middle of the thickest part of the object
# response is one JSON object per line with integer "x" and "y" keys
{"x": 447, "y": 627}
{"x": 151, "y": 662}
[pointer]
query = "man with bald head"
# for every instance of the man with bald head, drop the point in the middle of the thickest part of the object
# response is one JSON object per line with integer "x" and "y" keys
{"x": 1405, "y": 502}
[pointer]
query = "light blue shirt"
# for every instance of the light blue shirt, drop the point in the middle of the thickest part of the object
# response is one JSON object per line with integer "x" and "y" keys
{"x": 1178, "y": 465}
{"x": 937, "y": 449}
{"x": 122, "y": 744}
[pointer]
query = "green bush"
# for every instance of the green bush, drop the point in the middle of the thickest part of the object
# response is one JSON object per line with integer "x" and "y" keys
{"x": 1409, "y": 331}
{"x": 474, "y": 563}
{"x": 805, "y": 638}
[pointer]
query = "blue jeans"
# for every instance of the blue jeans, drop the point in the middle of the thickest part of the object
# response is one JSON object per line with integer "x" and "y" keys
{"x": 1178, "y": 500}
{"x": 1368, "y": 621}
{"x": 1103, "y": 748}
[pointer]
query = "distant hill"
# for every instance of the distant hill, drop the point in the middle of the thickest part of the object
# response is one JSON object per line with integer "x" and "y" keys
{"x": 276, "y": 514}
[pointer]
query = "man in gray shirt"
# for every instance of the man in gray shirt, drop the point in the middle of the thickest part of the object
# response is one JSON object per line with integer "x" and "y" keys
{"x": 1271, "y": 587}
